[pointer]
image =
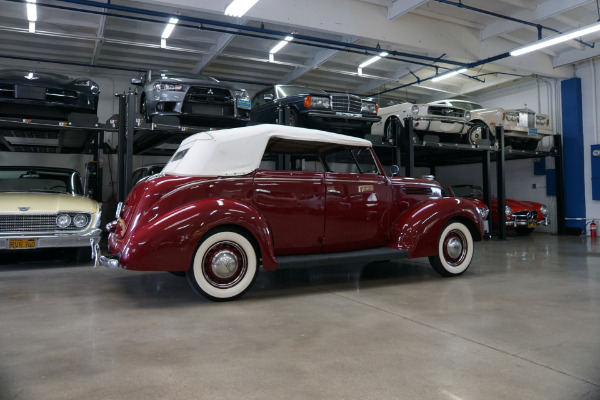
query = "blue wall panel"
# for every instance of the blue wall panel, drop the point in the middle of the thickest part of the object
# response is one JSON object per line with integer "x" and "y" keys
{"x": 573, "y": 152}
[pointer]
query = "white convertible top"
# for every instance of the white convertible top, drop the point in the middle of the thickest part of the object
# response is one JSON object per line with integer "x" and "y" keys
{"x": 238, "y": 151}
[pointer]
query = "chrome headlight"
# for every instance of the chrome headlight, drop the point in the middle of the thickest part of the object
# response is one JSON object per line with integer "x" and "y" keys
{"x": 414, "y": 109}
{"x": 511, "y": 116}
{"x": 63, "y": 221}
{"x": 468, "y": 115}
{"x": 80, "y": 220}
{"x": 320, "y": 102}
{"x": 507, "y": 211}
{"x": 544, "y": 210}
{"x": 541, "y": 120}
{"x": 167, "y": 87}
{"x": 483, "y": 211}
{"x": 368, "y": 107}
{"x": 242, "y": 94}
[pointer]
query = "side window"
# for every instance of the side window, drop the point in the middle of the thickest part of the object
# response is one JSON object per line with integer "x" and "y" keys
{"x": 259, "y": 99}
{"x": 365, "y": 160}
{"x": 291, "y": 162}
{"x": 357, "y": 160}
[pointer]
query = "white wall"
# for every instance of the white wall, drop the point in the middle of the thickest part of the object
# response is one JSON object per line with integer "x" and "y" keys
{"x": 589, "y": 72}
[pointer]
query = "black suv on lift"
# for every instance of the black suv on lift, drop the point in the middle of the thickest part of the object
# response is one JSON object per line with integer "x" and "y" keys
{"x": 315, "y": 108}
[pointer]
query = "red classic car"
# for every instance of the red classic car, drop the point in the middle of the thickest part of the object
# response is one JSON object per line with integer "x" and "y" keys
{"x": 279, "y": 196}
{"x": 523, "y": 216}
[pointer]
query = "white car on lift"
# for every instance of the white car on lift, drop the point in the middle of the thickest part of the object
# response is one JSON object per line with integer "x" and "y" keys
{"x": 523, "y": 128}
{"x": 448, "y": 123}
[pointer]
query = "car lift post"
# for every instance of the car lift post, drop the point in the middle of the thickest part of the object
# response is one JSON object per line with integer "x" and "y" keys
{"x": 501, "y": 202}
{"x": 560, "y": 186}
{"x": 121, "y": 147}
{"x": 125, "y": 147}
{"x": 487, "y": 185}
{"x": 409, "y": 148}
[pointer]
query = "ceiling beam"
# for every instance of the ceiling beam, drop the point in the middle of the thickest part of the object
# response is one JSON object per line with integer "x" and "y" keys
{"x": 217, "y": 48}
{"x": 543, "y": 11}
{"x": 320, "y": 58}
{"x": 401, "y": 7}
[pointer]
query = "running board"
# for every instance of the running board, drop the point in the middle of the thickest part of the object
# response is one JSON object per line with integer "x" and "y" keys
{"x": 358, "y": 256}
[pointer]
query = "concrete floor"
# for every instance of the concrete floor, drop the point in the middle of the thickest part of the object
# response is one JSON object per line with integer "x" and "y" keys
{"x": 522, "y": 323}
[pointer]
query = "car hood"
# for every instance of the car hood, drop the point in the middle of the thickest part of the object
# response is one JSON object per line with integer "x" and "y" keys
{"x": 45, "y": 203}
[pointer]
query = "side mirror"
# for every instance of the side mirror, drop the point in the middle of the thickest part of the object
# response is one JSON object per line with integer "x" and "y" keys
{"x": 136, "y": 81}
{"x": 268, "y": 97}
{"x": 394, "y": 169}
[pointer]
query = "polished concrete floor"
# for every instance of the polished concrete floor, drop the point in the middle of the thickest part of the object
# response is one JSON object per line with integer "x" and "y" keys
{"x": 522, "y": 323}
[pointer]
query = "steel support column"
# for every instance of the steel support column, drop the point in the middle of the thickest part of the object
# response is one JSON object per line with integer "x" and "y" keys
{"x": 501, "y": 190}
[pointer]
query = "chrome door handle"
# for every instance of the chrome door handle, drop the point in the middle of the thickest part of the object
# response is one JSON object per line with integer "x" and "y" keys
{"x": 262, "y": 191}
{"x": 333, "y": 191}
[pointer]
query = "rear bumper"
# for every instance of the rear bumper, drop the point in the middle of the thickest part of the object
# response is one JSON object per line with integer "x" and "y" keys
{"x": 106, "y": 261}
{"x": 522, "y": 223}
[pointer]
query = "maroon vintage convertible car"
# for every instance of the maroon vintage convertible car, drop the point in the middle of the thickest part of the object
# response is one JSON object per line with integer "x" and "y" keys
{"x": 230, "y": 201}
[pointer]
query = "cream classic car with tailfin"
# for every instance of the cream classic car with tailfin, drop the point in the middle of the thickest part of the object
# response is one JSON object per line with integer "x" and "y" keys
{"x": 42, "y": 208}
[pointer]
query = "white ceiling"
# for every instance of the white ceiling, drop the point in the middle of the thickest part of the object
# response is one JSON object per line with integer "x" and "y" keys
{"x": 335, "y": 37}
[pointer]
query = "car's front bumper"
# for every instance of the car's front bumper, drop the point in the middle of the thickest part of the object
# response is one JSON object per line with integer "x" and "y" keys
{"x": 343, "y": 116}
{"x": 54, "y": 241}
{"x": 439, "y": 125}
{"x": 523, "y": 223}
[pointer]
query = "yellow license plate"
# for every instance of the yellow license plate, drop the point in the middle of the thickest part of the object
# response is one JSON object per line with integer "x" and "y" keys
{"x": 532, "y": 224}
{"x": 21, "y": 243}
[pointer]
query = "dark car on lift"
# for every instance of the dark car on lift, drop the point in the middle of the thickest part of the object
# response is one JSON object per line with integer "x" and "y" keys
{"x": 193, "y": 99}
{"x": 31, "y": 94}
{"x": 315, "y": 108}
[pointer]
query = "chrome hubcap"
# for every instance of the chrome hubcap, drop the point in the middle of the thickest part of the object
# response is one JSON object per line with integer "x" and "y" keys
{"x": 224, "y": 264}
{"x": 454, "y": 248}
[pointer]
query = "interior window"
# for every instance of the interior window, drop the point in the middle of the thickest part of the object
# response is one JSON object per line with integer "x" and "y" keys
{"x": 356, "y": 160}
{"x": 365, "y": 160}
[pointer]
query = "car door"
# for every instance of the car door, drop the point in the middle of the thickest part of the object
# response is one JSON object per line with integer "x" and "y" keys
{"x": 293, "y": 203}
{"x": 358, "y": 201}
{"x": 264, "y": 110}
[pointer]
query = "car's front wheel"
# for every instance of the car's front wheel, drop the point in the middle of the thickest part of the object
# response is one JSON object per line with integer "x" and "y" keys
{"x": 224, "y": 266}
{"x": 455, "y": 250}
{"x": 475, "y": 134}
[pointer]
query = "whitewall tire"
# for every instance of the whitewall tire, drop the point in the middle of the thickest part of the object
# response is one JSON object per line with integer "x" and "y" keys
{"x": 455, "y": 250}
{"x": 224, "y": 266}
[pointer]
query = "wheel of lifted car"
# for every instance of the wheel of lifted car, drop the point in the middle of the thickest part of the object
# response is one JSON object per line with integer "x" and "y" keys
{"x": 224, "y": 266}
{"x": 455, "y": 250}
{"x": 475, "y": 134}
{"x": 144, "y": 108}
{"x": 295, "y": 118}
{"x": 391, "y": 126}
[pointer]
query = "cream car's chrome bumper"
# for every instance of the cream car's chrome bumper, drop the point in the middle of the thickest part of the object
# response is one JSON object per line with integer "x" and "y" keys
{"x": 55, "y": 241}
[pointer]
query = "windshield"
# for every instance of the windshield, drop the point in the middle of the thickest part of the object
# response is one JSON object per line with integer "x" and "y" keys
{"x": 40, "y": 180}
{"x": 467, "y": 105}
{"x": 289, "y": 90}
{"x": 467, "y": 191}
{"x": 180, "y": 76}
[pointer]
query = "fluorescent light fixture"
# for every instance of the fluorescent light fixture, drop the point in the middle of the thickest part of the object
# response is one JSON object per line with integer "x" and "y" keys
{"x": 448, "y": 75}
{"x": 31, "y": 11}
{"x": 239, "y": 7}
{"x": 556, "y": 39}
{"x": 169, "y": 28}
{"x": 371, "y": 61}
{"x": 279, "y": 46}
{"x": 31, "y": 14}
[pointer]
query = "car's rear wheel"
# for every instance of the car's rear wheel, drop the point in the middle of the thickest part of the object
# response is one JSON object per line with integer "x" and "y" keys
{"x": 455, "y": 250}
{"x": 224, "y": 266}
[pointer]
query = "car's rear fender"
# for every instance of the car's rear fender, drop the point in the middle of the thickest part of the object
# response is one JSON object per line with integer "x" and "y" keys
{"x": 169, "y": 242}
{"x": 418, "y": 227}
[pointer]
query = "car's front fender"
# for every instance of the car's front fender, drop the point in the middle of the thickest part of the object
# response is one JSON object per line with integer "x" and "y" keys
{"x": 417, "y": 229}
{"x": 168, "y": 242}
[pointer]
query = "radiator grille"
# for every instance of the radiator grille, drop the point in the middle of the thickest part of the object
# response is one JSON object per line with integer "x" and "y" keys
{"x": 61, "y": 96}
{"x": 446, "y": 111}
{"x": 346, "y": 103}
{"x": 36, "y": 223}
{"x": 525, "y": 215}
{"x": 208, "y": 95}
{"x": 422, "y": 191}
{"x": 526, "y": 119}
{"x": 7, "y": 91}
